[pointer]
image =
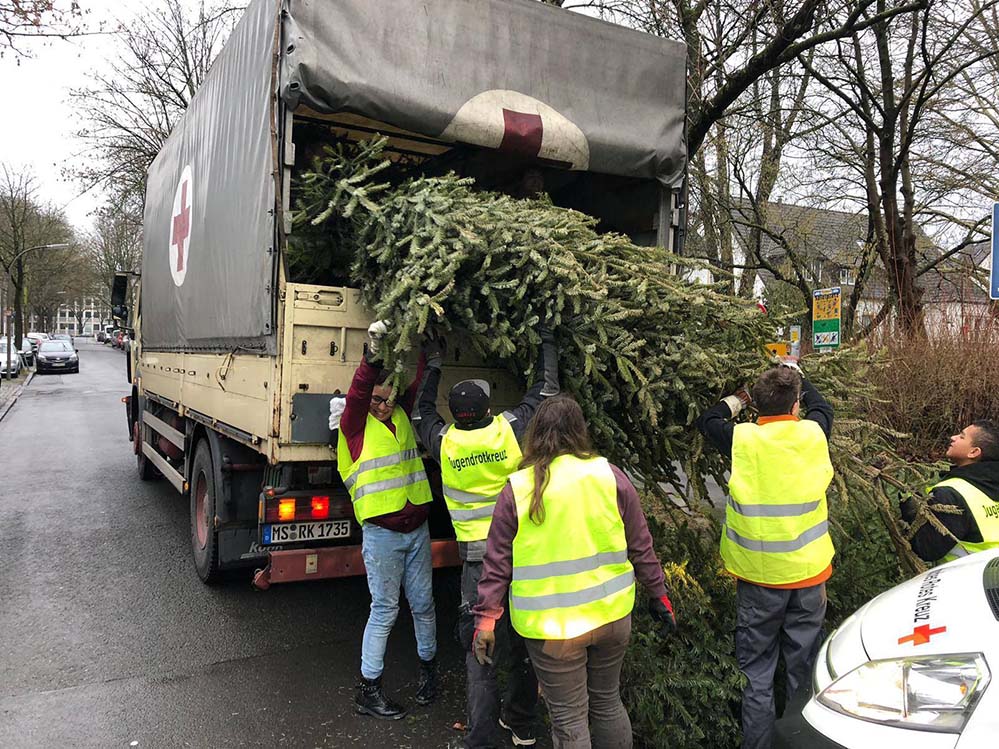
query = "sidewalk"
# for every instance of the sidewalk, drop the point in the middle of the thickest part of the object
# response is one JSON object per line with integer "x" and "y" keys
{"x": 10, "y": 389}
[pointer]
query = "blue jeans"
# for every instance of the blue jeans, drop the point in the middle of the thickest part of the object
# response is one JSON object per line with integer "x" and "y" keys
{"x": 393, "y": 561}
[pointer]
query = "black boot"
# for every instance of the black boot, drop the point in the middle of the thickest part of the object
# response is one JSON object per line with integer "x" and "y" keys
{"x": 426, "y": 688}
{"x": 371, "y": 700}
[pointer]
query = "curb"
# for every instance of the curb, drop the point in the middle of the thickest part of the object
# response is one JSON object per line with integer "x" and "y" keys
{"x": 10, "y": 404}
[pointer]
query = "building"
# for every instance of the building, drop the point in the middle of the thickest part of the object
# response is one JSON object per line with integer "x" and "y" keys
{"x": 84, "y": 316}
{"x": 831, "y": 247}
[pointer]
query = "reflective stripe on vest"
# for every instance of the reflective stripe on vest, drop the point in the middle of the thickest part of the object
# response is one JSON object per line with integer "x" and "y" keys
{"x": 983, "y": 508}
{"x": 561, "y": 590}
{"x": 388, "y": 472}
{"x": 776, "y": 521}
{"x": 475, "y": 466}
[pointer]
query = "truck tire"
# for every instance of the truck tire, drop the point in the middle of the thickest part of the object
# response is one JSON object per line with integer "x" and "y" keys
{"x": 204, "y": 537}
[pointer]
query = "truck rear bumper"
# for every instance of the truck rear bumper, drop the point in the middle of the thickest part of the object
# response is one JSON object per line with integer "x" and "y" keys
{"x": 343, "y": 561}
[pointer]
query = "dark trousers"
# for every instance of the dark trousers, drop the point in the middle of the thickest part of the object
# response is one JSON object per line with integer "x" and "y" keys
{"x": 581, "y": 683}
{"x": 773, "y": 622}
{"x": 483, "y": 690}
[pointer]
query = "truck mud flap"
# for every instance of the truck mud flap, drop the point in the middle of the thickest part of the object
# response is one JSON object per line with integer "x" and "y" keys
{"x": 238, "y": 547}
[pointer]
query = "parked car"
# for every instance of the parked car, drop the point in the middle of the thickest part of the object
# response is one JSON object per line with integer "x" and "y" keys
{"x": 911, "y": 668}
{"x": 62, "y": 337}
{"x": 27, "y": 353}
{"x": 37, "y": 338}
{"x": 15, "y": 360}
{"x": 57, "y": 356}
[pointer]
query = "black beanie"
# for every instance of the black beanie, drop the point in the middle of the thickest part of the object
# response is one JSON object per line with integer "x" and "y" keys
{"x": 469, "y": 401}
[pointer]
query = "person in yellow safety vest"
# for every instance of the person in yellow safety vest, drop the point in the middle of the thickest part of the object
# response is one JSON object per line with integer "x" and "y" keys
{"x": 972, "y": 485}
{"x": 567, "y": 542}
{"x": 477, "y": 454}
{"x": 775, "y": 539}
{"x": 379, "y": 462}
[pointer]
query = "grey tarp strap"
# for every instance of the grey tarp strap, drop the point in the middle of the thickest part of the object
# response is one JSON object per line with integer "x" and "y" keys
{"x": 774, "y": 511}
{"x": 570, "y": 566}
{"x": 777, "y": 547}
{"x": 576, "y": 598}
{"x": 383, "y": 462}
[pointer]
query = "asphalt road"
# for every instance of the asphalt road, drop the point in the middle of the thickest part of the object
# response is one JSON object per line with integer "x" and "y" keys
{"x": 108, "y": 638}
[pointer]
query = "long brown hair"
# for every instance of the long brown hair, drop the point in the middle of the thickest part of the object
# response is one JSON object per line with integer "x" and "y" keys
{"x": 558, "y": 428}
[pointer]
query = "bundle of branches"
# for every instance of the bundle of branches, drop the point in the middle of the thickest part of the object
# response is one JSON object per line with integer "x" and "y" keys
{"x": 642, "y": 349}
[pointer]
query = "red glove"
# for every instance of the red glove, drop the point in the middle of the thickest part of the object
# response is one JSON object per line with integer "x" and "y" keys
{"x": 661, "y": 610}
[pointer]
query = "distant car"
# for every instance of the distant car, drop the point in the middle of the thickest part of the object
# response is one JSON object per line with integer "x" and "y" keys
{"x": 911, "y": 668}
{"x": 62, "y": 337}
{"x": 27, "y": 353}
{"x": 99, "y": 336}
{"x": 37, "y": 338}
{"x": 15, "y": 360}
{"x": 57, "y": 356}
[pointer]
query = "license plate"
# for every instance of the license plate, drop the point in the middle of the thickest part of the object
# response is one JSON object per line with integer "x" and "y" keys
{"x": 292, "y": 532}
{"x": 58, "y": 364}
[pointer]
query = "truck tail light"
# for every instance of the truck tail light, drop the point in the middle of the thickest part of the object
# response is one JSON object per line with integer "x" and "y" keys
{"x": 304, "y": 508}
{"x": 320, "y": 508}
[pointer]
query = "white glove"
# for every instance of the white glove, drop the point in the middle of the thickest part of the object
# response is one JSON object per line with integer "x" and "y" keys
{"x": 737, "y": 401}
{"x": 338, "y": 403}
{"x": 791, "y": 363}
{"x": 376, "y": 331}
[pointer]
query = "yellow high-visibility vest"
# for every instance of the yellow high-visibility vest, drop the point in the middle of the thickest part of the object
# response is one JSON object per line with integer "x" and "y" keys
{"x": 475, "y": 466}
{"x": 776, "y": 522}
{"x": 983, "y": 508}
{"x": 571, "y": 574}
{"x": 389, "y": 470}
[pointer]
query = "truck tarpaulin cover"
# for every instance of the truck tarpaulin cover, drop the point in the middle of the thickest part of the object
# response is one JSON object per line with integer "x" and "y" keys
{"x": 513, "y": 74}
{"x": 208, "y": 234}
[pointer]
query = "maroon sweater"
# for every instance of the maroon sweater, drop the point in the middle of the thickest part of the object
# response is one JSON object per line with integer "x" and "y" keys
{"x": 497, "y": 565}
{"x": 352, "y": 423}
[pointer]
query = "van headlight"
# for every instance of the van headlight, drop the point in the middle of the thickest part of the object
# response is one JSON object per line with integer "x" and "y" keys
{"x": 929, "y": 693}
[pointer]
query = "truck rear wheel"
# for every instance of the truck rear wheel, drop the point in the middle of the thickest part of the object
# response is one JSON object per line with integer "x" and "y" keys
{"x": 204, "y": 537}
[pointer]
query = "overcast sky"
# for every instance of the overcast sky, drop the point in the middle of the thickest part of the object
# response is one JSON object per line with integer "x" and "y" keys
{"x": 37, "y": 122}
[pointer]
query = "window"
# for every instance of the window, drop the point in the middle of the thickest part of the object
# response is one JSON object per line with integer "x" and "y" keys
{"x": 846, "y": 277}
{"x": 816, "y": 269}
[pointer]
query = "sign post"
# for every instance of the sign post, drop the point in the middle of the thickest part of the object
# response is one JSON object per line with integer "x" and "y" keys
{"x": 994, "y": 275}
{"x": 826, "y": 309}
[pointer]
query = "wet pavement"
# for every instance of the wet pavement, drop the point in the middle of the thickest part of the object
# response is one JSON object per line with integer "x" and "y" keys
{"x": 108, "y": 638}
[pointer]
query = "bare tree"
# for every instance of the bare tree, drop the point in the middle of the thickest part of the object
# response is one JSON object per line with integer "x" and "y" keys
{"x": 882, "y": 83}
{"x": 23, "y": 20}
{"x": 162, "y": 59}
{"x": 114, "y": 245}
{"x": 24, "y": 223}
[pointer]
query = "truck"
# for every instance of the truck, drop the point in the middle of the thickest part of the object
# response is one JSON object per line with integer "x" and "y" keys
{"x": 235, "y": 354}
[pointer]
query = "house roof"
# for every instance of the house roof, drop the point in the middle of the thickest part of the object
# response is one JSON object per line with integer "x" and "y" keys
{"x": 838, "y": 237}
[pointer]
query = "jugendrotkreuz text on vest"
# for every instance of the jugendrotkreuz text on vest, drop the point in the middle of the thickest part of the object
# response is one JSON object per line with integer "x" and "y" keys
{"x": 477, "y": 459}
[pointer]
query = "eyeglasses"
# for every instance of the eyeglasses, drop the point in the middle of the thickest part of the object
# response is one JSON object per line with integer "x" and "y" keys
{"x": 377, "y": 400}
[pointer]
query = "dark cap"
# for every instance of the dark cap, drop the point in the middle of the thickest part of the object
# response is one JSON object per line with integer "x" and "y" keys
{"x": 469, "y": 401}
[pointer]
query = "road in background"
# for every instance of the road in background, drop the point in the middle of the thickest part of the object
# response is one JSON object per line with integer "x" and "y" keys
{"x": 108, "y": 636}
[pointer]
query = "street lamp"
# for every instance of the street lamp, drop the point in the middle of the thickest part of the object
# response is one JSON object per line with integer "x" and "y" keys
{"x": 10, "y": 281}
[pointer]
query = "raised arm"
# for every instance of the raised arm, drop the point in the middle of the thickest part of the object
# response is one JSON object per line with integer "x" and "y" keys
{"x": 546, "y": 384}
{"x": 427, "y": 423}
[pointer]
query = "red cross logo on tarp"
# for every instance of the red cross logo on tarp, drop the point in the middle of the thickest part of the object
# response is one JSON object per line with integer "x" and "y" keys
{"x": 181, "y": 227}
{"x": 921, "y": 635}
{"x": 182, "y": 220}
{"x": 522, "y": 133}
